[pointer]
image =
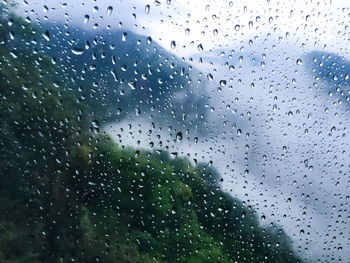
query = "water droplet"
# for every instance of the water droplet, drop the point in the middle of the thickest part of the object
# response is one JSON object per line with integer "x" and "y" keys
{"x": 237, "y": 27}
{"x": 200, "y": 47}
{"x": 109, "y": 10}
{"x": 13, "y": 54}
{"x": 124, "y": 36}
{"x": 223, "y": 83}
{"x": 179, "y": 136}
{"x": 86, "y": 18}
{"x": 147, "y": 9}
{"x": 46, "y": 35}
{"x": 132, "y": 84}
{"x": 137, "y": 111}
{"x": 149, "y": 40}
{"x": 77, "y": 51}
{"x": 299, "y": 62}
{"x": 87, "y": 45}
{"x": 95, "y": 124}
{"x": 173, "y": 44}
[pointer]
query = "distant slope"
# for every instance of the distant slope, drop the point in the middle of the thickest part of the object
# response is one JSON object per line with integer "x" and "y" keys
{"x": 124, "y": 74}
{"x": 333, "y": 70}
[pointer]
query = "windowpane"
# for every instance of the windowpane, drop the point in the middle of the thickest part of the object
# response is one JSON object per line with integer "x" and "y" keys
{"x": 174, "y": 131}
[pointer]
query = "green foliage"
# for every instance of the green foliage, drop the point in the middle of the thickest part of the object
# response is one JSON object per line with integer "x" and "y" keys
{"x": 70, "y": 193}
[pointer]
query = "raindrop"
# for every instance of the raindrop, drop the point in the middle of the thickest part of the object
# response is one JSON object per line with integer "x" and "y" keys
{"x": 149, "y": 40}
{"x": 95, "y": 124}
{"x": 173, "y": 44}
{"x": 124, "y": 36}
{"x": 147, "y": 9}
{"x": 132, "y": 84}
{"x": 200, "y": 47}
{"x": 223, "y": 83}
{"x": 179, "y": 136}
{"x": 109, "y": 10}
{"x": 86, "y": 18}
{"x": 77, "y": 51}
{"x": 46, "y": 35}
{"x": 137, "y": 111}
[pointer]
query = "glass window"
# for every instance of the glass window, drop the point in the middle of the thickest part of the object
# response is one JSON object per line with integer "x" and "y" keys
{"x": 174, "y": 131}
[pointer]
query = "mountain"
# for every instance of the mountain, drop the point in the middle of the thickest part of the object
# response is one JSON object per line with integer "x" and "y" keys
{"x": 333, "y": 70}
{"x": 124, "y": 74}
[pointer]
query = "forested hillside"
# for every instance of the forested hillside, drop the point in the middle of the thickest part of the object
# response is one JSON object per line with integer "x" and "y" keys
{"x": 70, "y": 194}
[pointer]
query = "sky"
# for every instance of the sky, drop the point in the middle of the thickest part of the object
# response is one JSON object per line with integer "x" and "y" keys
{"x": 282, "y": 144}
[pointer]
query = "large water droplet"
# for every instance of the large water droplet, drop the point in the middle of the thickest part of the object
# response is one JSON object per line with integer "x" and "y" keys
{"x": 200, "y": 47}
{"x": 86, "y": 18}
{"x": 179, "y": 136}
{"x": 77, "y": 51}
{"x": 132, "y": 84}
{"x": 109, "y": 10}
{"x": 149, "y": 40}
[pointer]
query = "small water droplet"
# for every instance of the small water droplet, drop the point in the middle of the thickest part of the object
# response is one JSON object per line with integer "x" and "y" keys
{"x": 299, "y": 62}
{"x": 46, "y": 35}
{"x": 86, "y": 18}
{"x": 173, "y": 44}
{"x": 147, "y": 9}
{"x": 132, "y": 84}
{"x": 109, "y": 10}
{"x": 124, "y": 36}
